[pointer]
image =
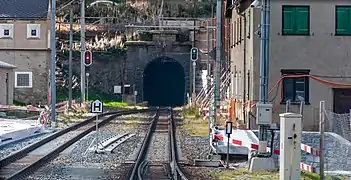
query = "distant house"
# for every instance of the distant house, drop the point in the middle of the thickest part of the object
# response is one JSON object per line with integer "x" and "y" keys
{"x": 6, "y": 83}
{"x": 307, "y": 38}
{"x": 25, "y": 43}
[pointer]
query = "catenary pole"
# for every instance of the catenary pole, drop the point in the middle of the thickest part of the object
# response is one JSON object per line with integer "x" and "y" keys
{"x": 264, "y": 66}
{"x": 53, "y": 60}
{"x": 82, "y": 54}
{"x": 217, "y": 69}
{"x": 70, "y": 58}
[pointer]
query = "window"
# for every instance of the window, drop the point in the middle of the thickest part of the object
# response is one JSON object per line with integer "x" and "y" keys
{"x": 6, "y": 30}
{"x": 295, "y": 89}
{"x": 296, "y": 20}
{"x": 343, "y": 20}
{"x": 234, "y": 33}
{"x": 23, "y": 79}
{"x": 33, "y": 30}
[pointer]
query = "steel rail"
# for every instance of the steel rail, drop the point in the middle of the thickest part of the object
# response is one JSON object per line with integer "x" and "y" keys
{"x": 175, "y": 165}
{"x": 35, "y": 165}
{"x": 140, "y": 162}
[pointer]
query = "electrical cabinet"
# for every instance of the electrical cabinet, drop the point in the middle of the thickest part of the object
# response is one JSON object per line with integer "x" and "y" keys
{"x": 264, "y": 114}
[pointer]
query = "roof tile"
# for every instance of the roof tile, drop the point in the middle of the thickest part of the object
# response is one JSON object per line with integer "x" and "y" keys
{"x": 22, "y": 9}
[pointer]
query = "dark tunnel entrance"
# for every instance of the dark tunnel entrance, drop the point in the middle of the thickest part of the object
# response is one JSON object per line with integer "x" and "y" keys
{"x": 164, "y": 83}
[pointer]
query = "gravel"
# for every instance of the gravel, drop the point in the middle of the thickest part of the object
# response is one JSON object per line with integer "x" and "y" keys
{"x": 158, "y": 150}
{"x": 197, "y": 147}
{"x": 78, "y": 163}
{"x": 11, "y": 148}
{"x": 194, "y": 147}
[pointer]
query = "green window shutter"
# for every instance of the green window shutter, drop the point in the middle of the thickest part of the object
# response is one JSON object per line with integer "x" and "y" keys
{"x": 302, "y": 20}
{"x": 288, "y": 21}
{"x": 343, "y": 21}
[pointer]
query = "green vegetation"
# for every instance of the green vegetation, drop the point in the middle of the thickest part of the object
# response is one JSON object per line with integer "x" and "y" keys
{"x": 113, "y": 104}
{"x": 108, "y": 100}
{"x": 191, "y": 113}
{"x": 193, "y": 124}
{"x": 240, "y": 174}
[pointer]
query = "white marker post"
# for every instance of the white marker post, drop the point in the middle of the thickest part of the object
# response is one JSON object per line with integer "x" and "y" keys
{"x": 97, "y": 108}
{"x": 228, "y": 131}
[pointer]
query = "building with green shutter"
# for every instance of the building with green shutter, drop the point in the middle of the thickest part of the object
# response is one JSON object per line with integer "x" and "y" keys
{"x": 306, "y": 37}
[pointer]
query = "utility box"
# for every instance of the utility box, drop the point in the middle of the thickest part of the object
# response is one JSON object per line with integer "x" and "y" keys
{"x": 290, "y": 146}
{"x": 264, "y": 114}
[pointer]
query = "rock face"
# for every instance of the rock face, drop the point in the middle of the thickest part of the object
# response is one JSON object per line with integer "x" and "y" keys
{"x": 337, "y": 150}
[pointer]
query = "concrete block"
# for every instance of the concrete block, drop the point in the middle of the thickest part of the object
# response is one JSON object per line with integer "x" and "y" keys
{"x": 214, "y": 157}
{"x": 206, "y": 163}
{"x": 262, "y": 164}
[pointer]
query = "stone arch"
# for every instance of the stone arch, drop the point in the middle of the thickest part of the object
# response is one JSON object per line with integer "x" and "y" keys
{"x": 164, "y": 82}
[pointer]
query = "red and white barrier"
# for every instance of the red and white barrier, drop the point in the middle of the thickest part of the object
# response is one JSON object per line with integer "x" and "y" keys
{"x": 309, "y": 149}
{"x": 254, "y": 146}
{"x": 307, "y": 168}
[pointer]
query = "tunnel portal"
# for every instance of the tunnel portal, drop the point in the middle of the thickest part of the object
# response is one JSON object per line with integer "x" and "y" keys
{"x": 164, "y": 83}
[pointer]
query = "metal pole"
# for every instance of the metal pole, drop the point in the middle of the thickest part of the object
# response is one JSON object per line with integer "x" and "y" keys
{"x": 208, "y": 60}
{"x": 266, "y": 62}
{"x": 82, "y": 54}
{"x": 87, "y": 75}
{"x": 321, "y": 139}
{"x": 97, "y": 132}
{"x": 248, "y": 98}
{"x": 208, "y": 87}
{"x": 212, "y": 23}
{"x": 263, "y": 94}
{"x": 287, "y": 106}
{"x": 70, "y": 58}
{"x": 53, "y": 60}
{"x": 194, "y": 84}
{"x": 217, "y": 97}
{"x": 302, "y": 104}
{"x": 228, "y": 151}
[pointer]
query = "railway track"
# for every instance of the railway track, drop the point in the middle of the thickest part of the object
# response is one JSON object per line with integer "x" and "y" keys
{"x": 24, "y": 162}
{"x": 144, "y": 169}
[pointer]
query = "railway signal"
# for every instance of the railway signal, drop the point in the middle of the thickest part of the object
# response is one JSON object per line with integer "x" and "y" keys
{"x": 194, "y": 54}
{"x": 88, "y": 58}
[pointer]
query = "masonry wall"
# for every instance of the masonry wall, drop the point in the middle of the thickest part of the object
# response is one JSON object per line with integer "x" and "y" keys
{"x": 322, "y": 52}
{"x": 139, "y": 54}
{"x": 30, "y": 61}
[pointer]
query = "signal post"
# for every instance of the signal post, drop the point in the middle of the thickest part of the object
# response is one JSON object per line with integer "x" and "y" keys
{"x": 194, "y": 56}
{"x": 88, "y": 61}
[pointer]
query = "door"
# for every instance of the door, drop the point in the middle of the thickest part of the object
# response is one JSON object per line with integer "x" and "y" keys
{"x": 342, "y": 100}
